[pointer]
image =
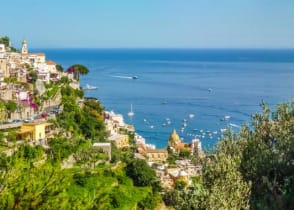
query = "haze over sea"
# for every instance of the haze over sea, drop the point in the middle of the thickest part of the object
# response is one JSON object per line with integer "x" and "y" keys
{"x": 175, "y": 83}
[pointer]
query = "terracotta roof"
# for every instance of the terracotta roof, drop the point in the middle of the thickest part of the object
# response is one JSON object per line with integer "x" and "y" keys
{"x": 181, "y": 145}
{"x": 50, "y": 63}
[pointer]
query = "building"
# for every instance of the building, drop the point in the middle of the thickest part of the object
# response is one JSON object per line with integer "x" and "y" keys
{"x": 2, "y": 51}
{"x": 35, "y": 132}
{"x": 3, "y": 69}
{"x": 178, "y": 174}
{"x": 54, "y": 74}
{"x": 196, "y": 148}
{"x": 156, "y": 155}
{"x": 120, "y": 140}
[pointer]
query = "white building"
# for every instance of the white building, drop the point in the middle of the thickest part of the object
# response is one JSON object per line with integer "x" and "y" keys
{"x": 2, "y": 51}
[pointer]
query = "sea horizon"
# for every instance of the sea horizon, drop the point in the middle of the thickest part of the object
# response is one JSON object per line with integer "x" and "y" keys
{"x": 177, "y": 83}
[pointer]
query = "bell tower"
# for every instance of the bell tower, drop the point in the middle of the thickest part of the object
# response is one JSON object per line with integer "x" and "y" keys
{"x": 24, "y": 47}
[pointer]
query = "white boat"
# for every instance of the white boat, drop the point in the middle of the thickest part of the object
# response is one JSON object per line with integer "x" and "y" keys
{"x": 131, "y": 113}
{"x": 227, "y": 117}
{"x": 191, "y": 116}
{"x": 89, "y": 87}
{"x": 223, "y": 130}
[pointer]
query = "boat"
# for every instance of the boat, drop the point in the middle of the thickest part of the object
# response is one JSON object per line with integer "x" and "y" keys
{"x": 191, "y": 116}
{"x": 89, "y": 87}
{"x": 225, "y": 118}
{"x": 223, "y": 130}
{"x": 134, "y": 77}
{"x": 131, "y": 113}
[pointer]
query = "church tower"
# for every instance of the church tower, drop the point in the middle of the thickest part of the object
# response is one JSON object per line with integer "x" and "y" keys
{"x": 24, "y": 47}
{"x": 174, "y": 139}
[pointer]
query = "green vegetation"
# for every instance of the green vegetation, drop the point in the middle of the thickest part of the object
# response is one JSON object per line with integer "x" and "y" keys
{"x": 86, "y": 121}
{"x": 6, "y": 41}
{"x": 2, "y": 112}
{"x": 34, "y": 177}
{"x": 251, "y": 169}
{"x": 59, "y": 68}
{"x": 78, "y": 70}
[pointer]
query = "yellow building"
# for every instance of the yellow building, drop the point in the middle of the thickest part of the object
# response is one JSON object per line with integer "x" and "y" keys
{"x": 158, "y": 155}
{"x": 37, "y": 132}
{"x": 120, "y": 140}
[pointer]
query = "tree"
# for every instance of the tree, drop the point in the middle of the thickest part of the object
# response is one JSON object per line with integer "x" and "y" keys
{"x": 32, "y": 76}
{"x": 142, "y": 174}
{"x": 225, "y": 184}
{"x": 5, "y": 40}
{"x": 59, "y": 68}
{"x": 253, "y": 167}
{"x": 11, "y": 107}
{"x": 266, "y": 158}
{"x": 3, "y": 114}
{"x": 78, "y": 70}
{"x": 192, "y": 198}
{"x": 26, "y": 185}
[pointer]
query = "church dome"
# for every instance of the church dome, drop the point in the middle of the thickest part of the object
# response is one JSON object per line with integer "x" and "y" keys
{"x": 174, "y": 139}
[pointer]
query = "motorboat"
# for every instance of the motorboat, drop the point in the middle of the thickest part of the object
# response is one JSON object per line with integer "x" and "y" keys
{"x": 134, "y": 77}
{"x": 225, "y": 118}
{"x": 89, "y": 87}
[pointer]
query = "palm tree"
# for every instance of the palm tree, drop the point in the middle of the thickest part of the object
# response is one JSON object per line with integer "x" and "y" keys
{"x": 78, "y": 69}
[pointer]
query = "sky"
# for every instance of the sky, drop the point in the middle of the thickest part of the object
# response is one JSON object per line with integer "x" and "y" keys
{"x": 149, "y": 23}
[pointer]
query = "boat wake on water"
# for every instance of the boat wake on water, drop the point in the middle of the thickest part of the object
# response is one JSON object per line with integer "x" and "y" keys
{"x": 125, "y": 77}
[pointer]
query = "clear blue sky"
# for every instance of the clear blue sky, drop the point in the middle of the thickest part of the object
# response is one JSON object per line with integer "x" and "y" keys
{"x": 149, "y": 23}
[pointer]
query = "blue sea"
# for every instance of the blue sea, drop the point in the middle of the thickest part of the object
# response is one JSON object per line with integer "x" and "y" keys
{"x": 191, "y": 89}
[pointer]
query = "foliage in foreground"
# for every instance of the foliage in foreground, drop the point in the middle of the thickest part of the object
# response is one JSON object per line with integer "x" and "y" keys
{"x": 29, "y": 181}
{"x": 33, "y": 177}
{"x": 252, "y": 169}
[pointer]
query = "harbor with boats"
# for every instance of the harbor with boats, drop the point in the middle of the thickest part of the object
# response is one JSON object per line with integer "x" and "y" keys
{"x": 179, "y": 84}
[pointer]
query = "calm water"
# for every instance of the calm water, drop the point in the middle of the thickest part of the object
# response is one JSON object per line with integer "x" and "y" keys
{"x": 174, "y": 84}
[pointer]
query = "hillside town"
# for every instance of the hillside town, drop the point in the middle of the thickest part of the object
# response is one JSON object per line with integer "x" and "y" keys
{"x": 30, "y": 118}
